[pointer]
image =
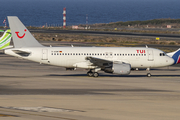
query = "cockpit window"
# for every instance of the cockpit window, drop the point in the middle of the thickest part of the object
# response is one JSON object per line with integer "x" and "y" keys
{"x": 162, "y": 54}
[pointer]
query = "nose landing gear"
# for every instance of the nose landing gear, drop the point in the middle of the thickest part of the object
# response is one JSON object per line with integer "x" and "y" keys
{"x": 148, "y": 74}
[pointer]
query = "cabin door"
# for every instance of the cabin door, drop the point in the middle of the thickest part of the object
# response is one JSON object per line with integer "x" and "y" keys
{"x": 150, "y": 55}
{"x": 44, "y": 54}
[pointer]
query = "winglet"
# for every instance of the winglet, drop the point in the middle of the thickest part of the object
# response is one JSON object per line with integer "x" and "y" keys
{"x": 21, "y": 36}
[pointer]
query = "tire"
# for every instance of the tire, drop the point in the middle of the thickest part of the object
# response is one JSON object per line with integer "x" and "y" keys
{"x": 148, "y": 74}
{"x": 90, "y": 74}
{"x": 96, "y": 74}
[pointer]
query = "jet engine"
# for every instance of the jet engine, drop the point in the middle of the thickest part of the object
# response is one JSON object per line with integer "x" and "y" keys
{"x": 119, "y": 68}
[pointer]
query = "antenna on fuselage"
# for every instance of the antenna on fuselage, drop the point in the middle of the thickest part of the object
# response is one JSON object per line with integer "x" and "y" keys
{"x": 146, "y": 46}
{"x": 72, "y": 45}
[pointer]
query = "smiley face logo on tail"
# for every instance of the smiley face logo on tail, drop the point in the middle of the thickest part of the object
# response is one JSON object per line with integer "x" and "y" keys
{"x": 17, "y": 33}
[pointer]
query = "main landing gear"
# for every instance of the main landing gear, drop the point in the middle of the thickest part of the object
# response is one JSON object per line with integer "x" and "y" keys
{"x": 92, "y": 74}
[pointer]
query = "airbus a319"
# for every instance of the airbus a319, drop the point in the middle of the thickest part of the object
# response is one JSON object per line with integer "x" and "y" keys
{"x": 116, "y": 60}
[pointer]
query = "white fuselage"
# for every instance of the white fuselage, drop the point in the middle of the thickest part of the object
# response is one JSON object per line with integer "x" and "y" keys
{"x": 72, "y": 57}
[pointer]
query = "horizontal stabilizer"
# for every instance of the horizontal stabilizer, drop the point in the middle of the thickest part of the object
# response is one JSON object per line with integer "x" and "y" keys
{"x": 22, "y": 53}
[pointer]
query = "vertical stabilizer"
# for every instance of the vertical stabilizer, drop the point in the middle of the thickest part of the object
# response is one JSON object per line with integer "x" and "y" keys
{"x": 5, "y": 39}
{"x": 175, "y": 55}
{"x": 20, "y": 34}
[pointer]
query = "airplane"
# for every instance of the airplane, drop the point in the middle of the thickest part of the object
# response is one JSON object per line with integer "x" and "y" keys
{"x": 116, "y": 60}
{"x": 175, "y": 55}
{"x": 5, "y": 39}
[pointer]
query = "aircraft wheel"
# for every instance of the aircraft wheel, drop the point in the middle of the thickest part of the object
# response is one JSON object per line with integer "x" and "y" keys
{"x": 148, "y": 74}
{"x": 96, "y": 74}
{"x": 90, "y": 74}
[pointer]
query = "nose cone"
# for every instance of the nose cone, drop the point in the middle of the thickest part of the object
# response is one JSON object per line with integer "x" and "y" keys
{"x": 164, "y": 61}
{"x": 170, "y": 61}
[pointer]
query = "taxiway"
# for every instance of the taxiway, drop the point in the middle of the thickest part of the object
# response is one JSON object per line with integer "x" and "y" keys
{"x": 31, "y": 91}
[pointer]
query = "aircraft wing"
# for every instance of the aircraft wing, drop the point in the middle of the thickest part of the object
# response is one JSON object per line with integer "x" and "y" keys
{"x": 100, "y": 62}
{"x": 117, "y": 67}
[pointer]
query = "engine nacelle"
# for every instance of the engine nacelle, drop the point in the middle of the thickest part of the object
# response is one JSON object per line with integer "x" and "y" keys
{"x": 121, "y": 69}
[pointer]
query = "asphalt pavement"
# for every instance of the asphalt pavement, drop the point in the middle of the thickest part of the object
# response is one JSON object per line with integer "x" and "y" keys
{"x": 33, "y": 91}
